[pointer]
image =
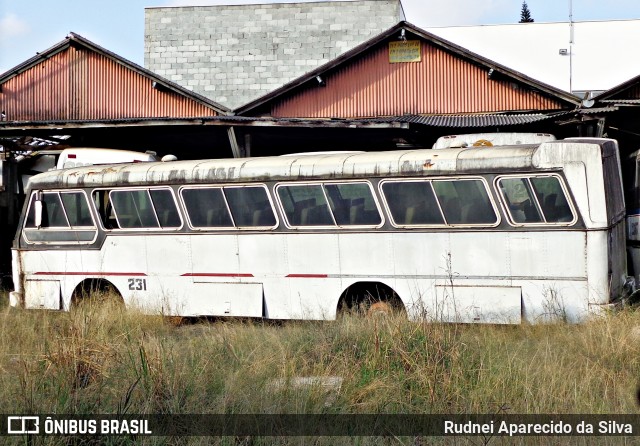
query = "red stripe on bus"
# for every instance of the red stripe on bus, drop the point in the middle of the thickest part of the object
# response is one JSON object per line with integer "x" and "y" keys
{"x": 308, "y": 276}
{"x": 88, "y": 273}
{"x": 217, "y": 275}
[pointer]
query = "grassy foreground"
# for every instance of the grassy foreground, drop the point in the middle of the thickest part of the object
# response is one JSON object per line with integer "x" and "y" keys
{"x": 109, "y": 361}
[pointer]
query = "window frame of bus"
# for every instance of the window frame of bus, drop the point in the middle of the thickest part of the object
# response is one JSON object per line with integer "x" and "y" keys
{"x": 94, "y": 228}
{"x": 228, "y": 207}
{"x": 507, "y": 210}
{"x": 483, "y": 180}
{"x": 331, "y": 213}
{"x": 143, "y": 188}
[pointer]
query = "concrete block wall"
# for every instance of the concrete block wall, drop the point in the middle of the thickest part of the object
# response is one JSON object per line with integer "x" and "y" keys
{"x": 234, "y": 54}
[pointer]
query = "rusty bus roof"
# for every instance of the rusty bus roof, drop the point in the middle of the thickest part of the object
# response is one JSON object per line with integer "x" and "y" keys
{"x": 417, "y": 163}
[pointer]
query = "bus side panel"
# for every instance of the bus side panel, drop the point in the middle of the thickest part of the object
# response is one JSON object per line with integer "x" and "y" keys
{"x": 223, "y": 299}
{"x": 480, "y": 254}
{"x": 167, "y": 288}
{"x": 314, "y": 280}
{"x": 123, "y": 262}
{"x": 214, "y": 258}
{"x": 598, "y": 267}
{"x": 52, "y": 276}
{"x": 214, "y": 270}
{"x": 480, "y": 304}
{"x": 554, "y": 300}
{"x": 551, "y": 267}
{"x": 264, "y": 257}
{"x": 548, "y": 255}
{"x": 633, "y": 244}
{"x": 364, "y": 258}
{"x": 419, "y": 260}
{"x": 617, "y": 260}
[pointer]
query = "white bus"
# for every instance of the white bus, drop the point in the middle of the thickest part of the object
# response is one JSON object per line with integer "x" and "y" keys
{"x": 500, "y": 235}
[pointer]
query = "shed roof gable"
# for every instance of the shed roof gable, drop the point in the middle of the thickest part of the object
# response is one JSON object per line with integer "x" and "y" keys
{"x": 77, "y": 79}
{"x": 448, "y": 79}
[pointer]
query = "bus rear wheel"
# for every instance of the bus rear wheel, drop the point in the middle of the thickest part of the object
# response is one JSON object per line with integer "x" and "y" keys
{"x": 372, "y": 300}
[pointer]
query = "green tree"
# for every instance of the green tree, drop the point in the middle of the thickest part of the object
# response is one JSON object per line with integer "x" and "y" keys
{"x": 525, "y": 14}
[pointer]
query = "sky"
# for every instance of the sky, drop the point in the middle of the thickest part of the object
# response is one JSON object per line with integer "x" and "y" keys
{"x": 31, "y": 26}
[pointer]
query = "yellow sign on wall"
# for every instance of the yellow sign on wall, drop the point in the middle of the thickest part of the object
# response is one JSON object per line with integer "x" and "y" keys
{"x": 405, "y": 51}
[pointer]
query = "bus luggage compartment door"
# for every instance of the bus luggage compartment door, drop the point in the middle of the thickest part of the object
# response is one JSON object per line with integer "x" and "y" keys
{"x": 479, "y": 304}
{"x": 42, "y": 294}
{"x": 225, "y": 299}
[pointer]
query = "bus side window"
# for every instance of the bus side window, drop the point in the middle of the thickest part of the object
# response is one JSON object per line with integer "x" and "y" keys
{"x": 522, "y": 207}
{"x": 465, "y": 202}
{"x": 535, "y": 199}
{"x": 66, "y": 218}
{"x": 353, "y": 204}
{"x": 305, "y": 205}
{"x": 250, "y": 206}
{"x": 207, "y": 207}
{"x": 412, "y": 203}
{"x": 77, "y": 209}
{"x": 166, "y": 208}
{"x": 553, "y": 201}
{"x": 52, "y": 212}
{"x": 134, "y": 209}
{"x": 105, "y": 209}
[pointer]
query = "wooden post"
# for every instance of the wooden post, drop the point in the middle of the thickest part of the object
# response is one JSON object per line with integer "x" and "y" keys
{"x": 236, "y": 149}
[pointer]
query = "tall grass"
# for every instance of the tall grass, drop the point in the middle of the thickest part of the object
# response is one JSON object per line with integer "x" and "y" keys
{"x": 98, "y": 360}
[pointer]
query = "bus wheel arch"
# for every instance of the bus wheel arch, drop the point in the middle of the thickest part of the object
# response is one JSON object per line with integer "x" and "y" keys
{"x": 371, "y": 298}
{"x": 100, "y": 291}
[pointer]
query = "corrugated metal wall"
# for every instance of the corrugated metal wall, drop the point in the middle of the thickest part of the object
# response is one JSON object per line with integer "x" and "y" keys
{"x": 440, "y": 84}
{"x": 81, "y": 84}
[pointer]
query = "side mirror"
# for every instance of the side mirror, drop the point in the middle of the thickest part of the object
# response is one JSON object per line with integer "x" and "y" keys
{"x": 38, "y": 209}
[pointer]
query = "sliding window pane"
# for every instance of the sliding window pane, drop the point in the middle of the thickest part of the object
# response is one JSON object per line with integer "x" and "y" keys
{"x": 412, "y": 203}
{"x": 250, "y": 206}
{"x": 207, "y": 208}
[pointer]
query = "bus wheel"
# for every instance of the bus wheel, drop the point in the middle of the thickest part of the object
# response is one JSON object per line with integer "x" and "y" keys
{"x": 370, "y": 299}
{"x": 380, "y": 309}
{"x": 96, "y": 293}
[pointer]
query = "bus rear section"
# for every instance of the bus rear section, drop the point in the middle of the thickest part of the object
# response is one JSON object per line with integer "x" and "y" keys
{"x": 593, "y": 170}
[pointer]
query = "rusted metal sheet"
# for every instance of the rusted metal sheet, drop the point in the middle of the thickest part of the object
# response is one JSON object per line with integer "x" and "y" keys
{"x": 80, "y": 84}
{"x": 440, "y": 83}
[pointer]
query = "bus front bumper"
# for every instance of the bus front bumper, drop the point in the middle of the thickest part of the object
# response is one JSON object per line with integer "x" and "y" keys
{"x": 16, "y": 299}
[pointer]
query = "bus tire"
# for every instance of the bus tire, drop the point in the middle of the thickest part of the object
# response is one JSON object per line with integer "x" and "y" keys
{"x": 98, "y": 292}
{"x": 370, "y": 299}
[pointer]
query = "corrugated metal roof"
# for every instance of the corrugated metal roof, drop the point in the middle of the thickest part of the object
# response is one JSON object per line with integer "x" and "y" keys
{"x": 309, "y": 79}
{"x": 595, "y": 110}
{"x": 483, "y": 120}
{"x": 388, "y": 122}
{"x": 77, "y": 79}
{"x": 477, "y": 120}
{"x": 620, "y": 101}
{"x": 625, "y": 87}
{"x": 439, "y": 83}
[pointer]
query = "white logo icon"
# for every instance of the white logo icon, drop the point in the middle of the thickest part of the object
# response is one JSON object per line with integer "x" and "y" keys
{"x": 23, "y": 425}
